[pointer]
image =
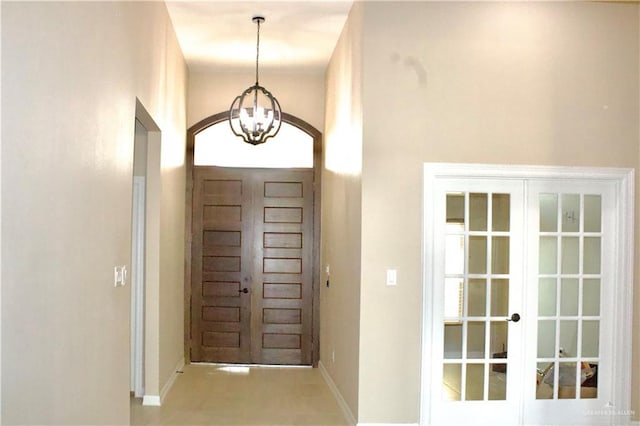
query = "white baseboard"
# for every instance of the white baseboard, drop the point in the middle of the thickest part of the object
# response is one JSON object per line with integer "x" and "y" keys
{"x": 388, "y": 424}
{"x": 156, "y": 400}
{"x": 151, "y": 400}
{"x": 336, "y": 393}
{"x": 167, "y": 386}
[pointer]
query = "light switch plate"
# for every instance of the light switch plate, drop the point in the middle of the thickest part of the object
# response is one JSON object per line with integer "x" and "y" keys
{"x": 392, "y": 277}
{"x": 119, "y": 276}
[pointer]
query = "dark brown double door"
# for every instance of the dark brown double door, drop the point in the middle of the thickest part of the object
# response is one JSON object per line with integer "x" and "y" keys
{"x": 252, "y": 266}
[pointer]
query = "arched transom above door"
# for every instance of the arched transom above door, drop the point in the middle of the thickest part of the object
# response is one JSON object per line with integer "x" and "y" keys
{"x": 218, "y": 146}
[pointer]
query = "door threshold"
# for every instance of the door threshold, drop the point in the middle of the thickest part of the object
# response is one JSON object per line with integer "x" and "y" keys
{"x": 222, "y": 364}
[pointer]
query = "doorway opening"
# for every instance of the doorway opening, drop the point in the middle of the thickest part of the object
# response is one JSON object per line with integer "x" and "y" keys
{"x": 145, "y": 261}
{"x": 252, "y": 241}
{"x": 527, "y": 305}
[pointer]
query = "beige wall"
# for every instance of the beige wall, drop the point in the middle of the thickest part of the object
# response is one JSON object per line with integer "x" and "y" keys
{"x": 506, "y": 83}
{"x": 71, "y": 73}
{"x": 300, "y": 93}
{"x": 341, "y": 214}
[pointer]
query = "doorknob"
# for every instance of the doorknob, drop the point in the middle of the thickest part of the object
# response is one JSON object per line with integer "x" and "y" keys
{"x": 515, "y": 317}
{"x": 244, "y": 290}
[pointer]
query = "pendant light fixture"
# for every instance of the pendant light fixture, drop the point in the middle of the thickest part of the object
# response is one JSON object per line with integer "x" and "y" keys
{"x": 255, "y": 115}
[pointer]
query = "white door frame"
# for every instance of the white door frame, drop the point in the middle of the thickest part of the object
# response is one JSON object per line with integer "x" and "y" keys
{"x": 624, "y": 258}
{"x": 137, "y": 286}
{"x": 154, "y": 391}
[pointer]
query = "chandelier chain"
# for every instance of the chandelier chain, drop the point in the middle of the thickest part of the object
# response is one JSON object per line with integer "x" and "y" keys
{"x": 257, "y": 50}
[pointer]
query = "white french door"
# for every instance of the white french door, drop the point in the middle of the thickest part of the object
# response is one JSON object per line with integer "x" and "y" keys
{"x": 525, "y": 311}
{"x": 570, "y": 298}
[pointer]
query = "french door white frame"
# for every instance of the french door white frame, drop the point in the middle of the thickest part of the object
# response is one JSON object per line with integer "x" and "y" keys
{"x": 623, "y": 271}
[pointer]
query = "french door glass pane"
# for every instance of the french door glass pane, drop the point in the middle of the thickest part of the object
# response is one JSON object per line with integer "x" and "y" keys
{"x": 497, "y": 384}
{"x": 544, "y": 381}
{"x": 570, "y": 213}
{"x": 477, "y": 298}
{"x": 547, "y": 297}
{"x": 592, "y": 215}
{"x": 591, "y": 297}
{"x": 453, "y": 290}
{"x": 500, "y": 207}
{"x": 475, "y": 339}
{"x": 499, "y": 336}
{"x": 452, "y": 381}
{"x": 590, "y": 340}
{"x": 475, "y": 382}
{"x": 500, "y": 255}
{"x": 499, "y": 297}
{"x": 453, "y": 341}
{"x": 569, "y": 297}
{"x": 570, "y": 255}
{"x": 567, "y": 380}
{"x": 548, "y": 212}
{"x": 455, "y": 208}
{"x": 477, "y": 254}
{"x": 477, "y": 212}
{"x": 568, "y": 338}
{"x": 589, "y": 388}
{"x": 548, "y": 259}
{"x": 454, "y": 254}
{"x": 591, "y": 255}
{"x": 546, "y": 338}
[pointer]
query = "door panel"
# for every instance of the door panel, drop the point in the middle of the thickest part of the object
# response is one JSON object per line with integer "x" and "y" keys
{"x": 478, "y": 264}
{"x": 221, "y": 267}
{"x": 281, "y": 302}
{"x": 254, "y": 270}
{"x": 572, "y": 245}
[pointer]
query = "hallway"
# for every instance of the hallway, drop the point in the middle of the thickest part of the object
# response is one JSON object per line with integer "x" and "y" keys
{"x": 219, "y": 395}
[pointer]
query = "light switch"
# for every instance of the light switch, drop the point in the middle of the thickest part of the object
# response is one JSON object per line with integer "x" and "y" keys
{"x": 119, "y": 276}
{"x": 392, "y": 277}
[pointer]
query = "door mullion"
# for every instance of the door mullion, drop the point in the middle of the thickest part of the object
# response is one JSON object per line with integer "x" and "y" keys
{"x": 487, "y": 313}
{"x": 465, "y": 306}
{"x": 257, "y": 264}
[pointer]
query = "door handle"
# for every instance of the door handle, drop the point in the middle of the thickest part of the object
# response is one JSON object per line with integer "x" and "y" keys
{"x": 515, "y": 317}
{"x": 244, "y": 290}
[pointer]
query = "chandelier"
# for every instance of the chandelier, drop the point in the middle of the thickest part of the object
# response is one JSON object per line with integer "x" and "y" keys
{"x": 255, "y": 115}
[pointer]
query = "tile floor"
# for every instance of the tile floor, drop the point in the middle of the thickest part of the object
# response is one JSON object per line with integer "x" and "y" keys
{"x": 213, "y": 395}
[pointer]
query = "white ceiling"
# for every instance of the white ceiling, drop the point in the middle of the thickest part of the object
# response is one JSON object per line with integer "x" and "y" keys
{"x": 219, "y": 35}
